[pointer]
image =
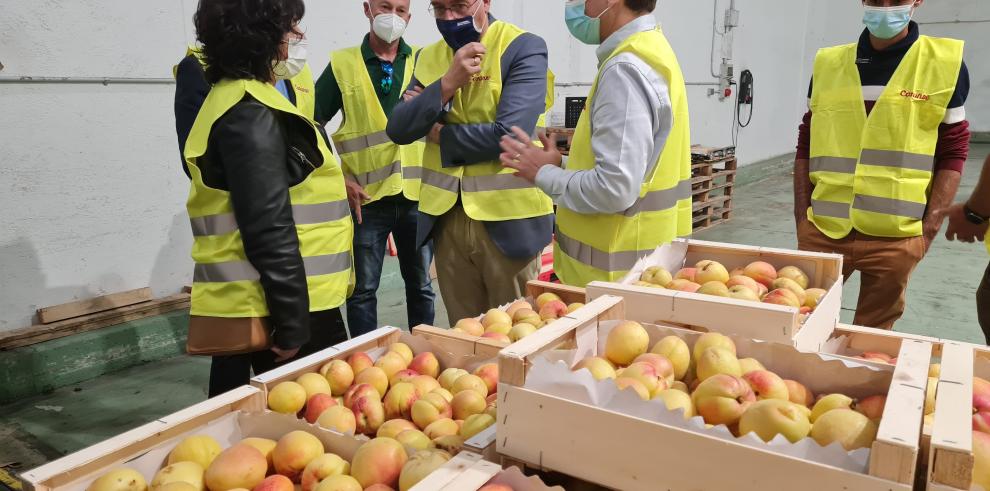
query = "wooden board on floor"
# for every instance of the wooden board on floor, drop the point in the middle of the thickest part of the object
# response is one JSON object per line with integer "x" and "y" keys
{"x": 91, "y": 322}
{"x": 47, "y": 315}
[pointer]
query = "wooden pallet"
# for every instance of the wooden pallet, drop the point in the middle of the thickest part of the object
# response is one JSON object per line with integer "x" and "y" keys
{"x": 712, "y": 185}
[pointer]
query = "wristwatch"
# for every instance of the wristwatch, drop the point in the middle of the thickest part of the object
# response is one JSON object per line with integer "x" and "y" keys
{"x": 973, "y": 217}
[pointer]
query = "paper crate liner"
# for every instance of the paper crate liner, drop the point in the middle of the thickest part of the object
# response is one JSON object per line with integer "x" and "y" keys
{"x": 551, "y": 374}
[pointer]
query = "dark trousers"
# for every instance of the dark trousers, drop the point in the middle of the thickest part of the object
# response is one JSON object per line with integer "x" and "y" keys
{"x": 230, "y": 372}
{"x": 398, "y": 216}
{"x": 983, "y": 304}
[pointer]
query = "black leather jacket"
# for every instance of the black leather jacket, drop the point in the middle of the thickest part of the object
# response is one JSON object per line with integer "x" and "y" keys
{"x": 257, "y": 153}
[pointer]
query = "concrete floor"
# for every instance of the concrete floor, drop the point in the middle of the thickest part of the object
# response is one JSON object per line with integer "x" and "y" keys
{"x": 34, "y": 431}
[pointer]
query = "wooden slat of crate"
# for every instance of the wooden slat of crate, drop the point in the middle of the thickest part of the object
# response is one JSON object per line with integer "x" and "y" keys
{"x": 568, "y": 294}
{"x": 461, "y": 342}
{"x": 467, "y": 471}
{"x": 47, "y": 315}
{"x": 950, "y": 459}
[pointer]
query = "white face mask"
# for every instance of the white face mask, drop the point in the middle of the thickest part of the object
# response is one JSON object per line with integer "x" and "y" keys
{"x": 389, "y": 27}
{"x": 294, "y": 63}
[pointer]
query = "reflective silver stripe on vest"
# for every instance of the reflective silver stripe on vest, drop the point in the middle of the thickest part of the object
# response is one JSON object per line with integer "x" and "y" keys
{"x": 663, "y": 199}
{"x": 599, "y": 259}
{"x": 362, "y": 142}
{"x": 225, "y": 223}
{"x": 830, "y": 209}
{"x": 378, "y": 175}
{"x": 244, "y": 271}
{"x": 440, "y": 180}
{"x": 900, "y": 160}
{"x": 889, "y": 206}
{"x": 415, "y": 172}
{"x": 833, "y": 164}
{"x": 494, "y": 182}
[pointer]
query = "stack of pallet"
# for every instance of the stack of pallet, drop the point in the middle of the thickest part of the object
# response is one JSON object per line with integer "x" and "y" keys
{"x": 713, "y": 175}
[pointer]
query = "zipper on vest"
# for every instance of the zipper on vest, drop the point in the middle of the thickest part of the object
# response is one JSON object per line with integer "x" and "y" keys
{"x": 302, "y": 157}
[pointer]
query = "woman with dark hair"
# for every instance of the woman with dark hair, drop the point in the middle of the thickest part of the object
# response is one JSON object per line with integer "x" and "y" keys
{"x": 271, "y": 223}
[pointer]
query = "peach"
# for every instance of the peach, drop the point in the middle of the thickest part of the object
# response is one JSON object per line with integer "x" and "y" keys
{"x": 179, "y": 486}
{"x": 763, "y": 273}
{"x": 872, "y": 407}
{"x": 675, "y": 399}
{"x": 488, "y": 373}
{"x": 392, "y": 427}
{"x": 782, "y": 296}
{"x": 403, "y": 350}
{"x": 359, "y": 361}
{"x": 600, "y": 368}
{"x": 497, "y": 336}
{"x": 414, "y": 441}
{"x": 722, "y": 399}
{"x": 717, "y": 360}
{"x": 469, "y": 382}
{"x": 369, "y": 413}
{"x": 684, "y": 286}
{"x": 498, "y": 329}
{"x": 441, "y": 427}
{"x": 714, "y": 288}
{"x": 767, "y": 385}
{"x": 631, "y": 383}
{"x": 314, "y": 383}
{"x": 712, "y": 340}
{"x": 851, "y": 429}
{"x": 625, "y": 342}
{"x": 553, "y": 310}
{"x": 798, "y": 393}
{"x": 711, "y": 271}
{"x": 449, "y": 443}
{"x": 402, "y": 376}
{"x": 527, "y": 316}
{"x": 657, "y": 275}
{"x": 240, "y": 466}
{"x": 360, "y": 390}
{"x": 793, "y": 286}
{"x": 448, "y": 376}
{"x": 426, "y": 364}
{"x": 750, "y": 364}
{"x": 399, "y": 400}
{"x": 287, "y": 398}
{"x": 647, "y": 375}
{"x": 573, "y": 307}
{"x": 339, "y": 375}
{"x": 187, "y": 472}
{"x": 681, "y": 386}
{"x": 930, "y": 392}
{"x": 495, "y": 487}
{"x": 391, "y": 363}
{"x": 520, "y": 331}
{"x": 981, "y": 421}
{"x": 425, "y": 384}
{"x": 981, "y": 459}
{"x": 339, "y": 419}
{"x": 813, "y": 296}
{"x": 980, "y": 386}
{"x": 545, "y": 298}
{"x": 677, "y": 351}
{"x": 663, "y": 366}
{"x": 379, "y": 461}
{"x": 688, "y": 274}
{"x": 421, "y": 465}
{"x": 201, "y": 449}
{"x": 320, "y": 468}
{"x": 466, "y": 403}
{"x": 317, "y": 404}
{"x": 794, "y": 274}
{"x": 474, "y": 327}
{"x": 279, "y": 482}
{"x": 771, "y": 417}
{"x": 830, "y": 402}
{"x": 444, "y": 393}
{"x": 515, "y": 306}
{"x": 744, "y": 281}
{"x": 494, "y": 316}
{"x": 121, "y": 479}
{"x": 474, "y": 424}
{"x": 339, "y": 483}
{"x": 744, "y": 293}
{"x": 375, "y": 377}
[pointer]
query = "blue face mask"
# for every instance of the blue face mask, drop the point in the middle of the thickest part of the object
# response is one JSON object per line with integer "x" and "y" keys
{"x": 460, "y": 32}
{"x": 887, "y": 22}
{"x": 583, "y": 28}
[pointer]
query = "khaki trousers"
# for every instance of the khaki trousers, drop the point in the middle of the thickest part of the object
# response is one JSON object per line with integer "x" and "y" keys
{"x": 885, "y": 266}
{"x": 473, "y": 273}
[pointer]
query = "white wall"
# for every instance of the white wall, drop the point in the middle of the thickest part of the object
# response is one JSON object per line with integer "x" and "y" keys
{"x": 92, "y": 193}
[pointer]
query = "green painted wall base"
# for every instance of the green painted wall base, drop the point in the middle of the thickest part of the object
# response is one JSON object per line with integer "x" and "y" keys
{"x": 43, "y": 367}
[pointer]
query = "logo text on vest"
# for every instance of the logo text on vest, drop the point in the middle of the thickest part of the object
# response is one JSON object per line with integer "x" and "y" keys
{"x": 914, "y": 95}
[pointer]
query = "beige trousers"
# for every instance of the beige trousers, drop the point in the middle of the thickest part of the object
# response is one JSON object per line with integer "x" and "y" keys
{"x": 473, "y": 274}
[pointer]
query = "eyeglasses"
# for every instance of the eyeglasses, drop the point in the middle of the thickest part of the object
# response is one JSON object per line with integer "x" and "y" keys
{"x": 462, "y": 9}
{"x": 388, "y": 71}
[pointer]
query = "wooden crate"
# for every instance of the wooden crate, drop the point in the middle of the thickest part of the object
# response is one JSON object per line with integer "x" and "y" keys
{"x": 470, "y": 472}
{"x": 630, "y": 453}
{"x": 950, "y": 460}
{"x": 145, "y": 448}
{"x": 748, "y": 319}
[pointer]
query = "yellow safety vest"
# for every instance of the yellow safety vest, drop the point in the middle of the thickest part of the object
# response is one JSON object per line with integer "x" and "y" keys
{"x": 873, "y": 173}
{"x": 302, "y": 84}
{"x": 225, "y": 284}
{"x": 488, "y": 191}
{"x": 604, "y": 247}
{"x": 369, "y": 156}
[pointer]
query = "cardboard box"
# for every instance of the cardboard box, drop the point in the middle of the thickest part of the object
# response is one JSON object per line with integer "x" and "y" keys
{"x": 748, "y": 319}
{"x": 563, "y": 433}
